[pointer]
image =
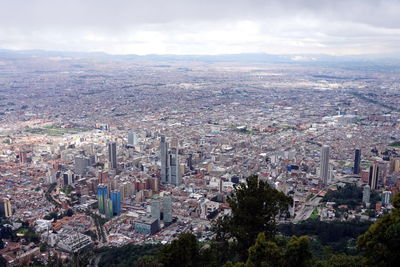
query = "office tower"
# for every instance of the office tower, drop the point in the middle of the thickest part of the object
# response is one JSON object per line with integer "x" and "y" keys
{"x": 324, "y": 165}
{"x": 102, "y": 195}
{"x": 5, "y": 208}
{"x": 386, "y": 197}
{"x": 22, "y": 155}
{"x": 373, "y": 176}
{"x": 132, "y": 138}
{"x": 173, "y": 168}
{"x": 164, "y": 160}
{"x": 68, "y": 177}
{"x": 167, "y": 209}
{"x": 357, "y": 161}
{"x": 116, "y": 202}
{"x": 170, "y": 173}
{"x": 190, "y": 162}
{"x": 366, "y": 194}
{"x": 155, "y": 209}
{"x": 108, "y": 205}
{"x": 394, "y": 165}
{"x": 103, "y": 177}
{"x": 81, "y": 163}
{"x": 112, "y": 155}
{"x": 154, "y": 184}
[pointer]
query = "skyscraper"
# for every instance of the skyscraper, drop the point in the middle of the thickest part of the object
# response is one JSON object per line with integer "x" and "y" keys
{"x": 116, "y": 202}
{"x": 373, "y": 176}
{"x": 167, "y": 209}
{"x": 357, "y": 161}
{"x": 164, "y": 160}
{"x": 190, "y": 162}
{"x": 102, "y": 195}
{"x": 386, "y": 197}
{"x": 81, "y": 163}
{"x": 112, "y": 155}
{"x": 108, "y": 206}
{"x": 170, "y": 173}
{"x": 68, "y": 177}
{"x": 5, "y": 208}
{"x": 366, "y": 194}
{"x": 324, "y": 165}
{"x": 155, "y": 209}
{"x": 132, "y": 138}
{"x": 173, "y": 168}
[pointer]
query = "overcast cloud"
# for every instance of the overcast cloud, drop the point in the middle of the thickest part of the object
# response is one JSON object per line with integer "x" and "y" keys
{"x": 202, "y": 26}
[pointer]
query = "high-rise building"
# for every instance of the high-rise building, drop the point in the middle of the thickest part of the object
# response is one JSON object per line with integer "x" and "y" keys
{"x": 116, "y": 202}
{"x": 373, "y": 176}
{"x": 173, "y": 168}
{"x": 324, "y": 165}
{"x": 386, "y": 197}
{"x": 190, "y": 162}
{"x": 357, "y": 161}
{"x": 132, "y": 138}
{"x": 155, "y": 209}
{"x": 22, "y": 155}
{"x": 103, "y": 177}
{"x": 5, "y": 208}
{"x": 81, "y": 163}
{"x": 164, "y": 160}
{"x": 366, "y": 194}
{"x": 102, "y": 196}
{"x": 68, "y": 177}
{"x": 112, "y": 155}
{"x": 394, "y": 165}
{"x": 108, "y": 205}
{"x": 167, "y": 209}
{"x": 170, "y": 173}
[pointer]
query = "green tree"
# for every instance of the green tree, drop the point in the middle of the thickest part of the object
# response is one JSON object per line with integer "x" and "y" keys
{"x": 264, "y": 253}
{"x": 298, "y": 253}
{"x": 183, "y": 251}
{"x": 147, "y": 261}
{"x": 340, "y": 260}
{"x": 381, "y": 243}
{"x": 255, "y": 206}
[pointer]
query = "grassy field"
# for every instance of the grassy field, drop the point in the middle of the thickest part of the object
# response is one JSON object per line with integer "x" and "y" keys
{"x": 314, "y": 214}
{"x": 55, "y": 130}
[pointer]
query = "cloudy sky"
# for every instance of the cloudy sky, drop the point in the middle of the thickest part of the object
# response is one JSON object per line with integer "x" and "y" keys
{"x": 335, "y": 27}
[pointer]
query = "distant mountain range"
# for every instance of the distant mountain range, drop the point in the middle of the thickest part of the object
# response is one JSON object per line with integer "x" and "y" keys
{"x": 246, "y": 57}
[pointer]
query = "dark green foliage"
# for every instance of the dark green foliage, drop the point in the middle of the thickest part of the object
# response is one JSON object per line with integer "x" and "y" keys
{"x": 295, "y": 252}
{"x": 298, "y": 252}
{"x": 255, "y": 206}
{"x": 395, "y": 144}
{"x": 334, "y": 234}
{"x": 183, "y": 251}
{"x": 30, "y": 235}
{"x": 125, "y": 255}
{"x": 342, "y": 260}
{"x": 381, "y": 243}
{"x": 147, "y": 261}
{"x": 350, "y": 195}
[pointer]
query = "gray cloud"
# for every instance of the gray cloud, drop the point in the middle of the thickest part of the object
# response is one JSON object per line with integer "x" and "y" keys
{"x": 202, "y": 26}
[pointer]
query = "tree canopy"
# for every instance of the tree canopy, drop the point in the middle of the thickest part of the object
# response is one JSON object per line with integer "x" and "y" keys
{"x": 255, "y": 206}
{"x": 381, "y": 243}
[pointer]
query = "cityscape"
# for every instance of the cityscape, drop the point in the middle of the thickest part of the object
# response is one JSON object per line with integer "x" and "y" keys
{"x": 104, "y": 153}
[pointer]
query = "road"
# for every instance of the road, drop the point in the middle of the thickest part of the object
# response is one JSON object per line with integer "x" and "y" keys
{"x": 305, "y": 211}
